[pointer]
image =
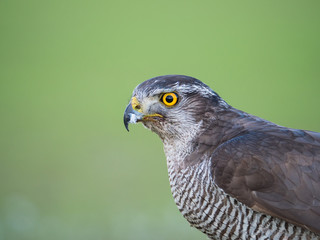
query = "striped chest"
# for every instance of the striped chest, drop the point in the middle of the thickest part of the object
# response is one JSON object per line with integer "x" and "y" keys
{"x": 219, "y": 216}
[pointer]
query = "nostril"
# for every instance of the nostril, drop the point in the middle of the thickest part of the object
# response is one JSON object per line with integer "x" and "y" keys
{"x": 137, "y": 107}
{"x": 135, "y": 104}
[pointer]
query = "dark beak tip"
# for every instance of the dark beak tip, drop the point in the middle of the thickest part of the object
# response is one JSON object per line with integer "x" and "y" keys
{"x": 126, "y": 119}
{"x": 126, "y": 116}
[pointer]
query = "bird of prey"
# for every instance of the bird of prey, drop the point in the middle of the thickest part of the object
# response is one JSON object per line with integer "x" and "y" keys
{"x": 232, "y": 175}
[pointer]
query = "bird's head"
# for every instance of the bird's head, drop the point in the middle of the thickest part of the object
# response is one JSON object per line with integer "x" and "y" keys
{"x": 172, "y": 106}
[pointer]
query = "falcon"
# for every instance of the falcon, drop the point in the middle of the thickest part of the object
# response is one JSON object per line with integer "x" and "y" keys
{"x": 232, "y": 175}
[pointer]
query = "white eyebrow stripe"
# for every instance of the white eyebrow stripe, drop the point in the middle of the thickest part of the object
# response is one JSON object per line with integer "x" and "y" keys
{"x": 204, "y": 91}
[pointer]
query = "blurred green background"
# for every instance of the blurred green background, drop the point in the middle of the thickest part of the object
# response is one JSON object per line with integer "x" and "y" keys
{"x": 68, "y": 168}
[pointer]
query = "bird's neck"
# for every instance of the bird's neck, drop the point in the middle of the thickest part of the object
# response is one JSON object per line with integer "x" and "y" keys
{"x": 198, "y": 142}
{"x": 180, "y": 146}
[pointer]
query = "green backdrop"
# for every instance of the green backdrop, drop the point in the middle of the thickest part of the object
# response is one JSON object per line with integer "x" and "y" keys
{"x": 68, "y": 168}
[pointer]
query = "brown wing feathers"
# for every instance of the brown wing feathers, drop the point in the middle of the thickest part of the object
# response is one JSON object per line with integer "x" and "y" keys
{"x": 275, "y": 172}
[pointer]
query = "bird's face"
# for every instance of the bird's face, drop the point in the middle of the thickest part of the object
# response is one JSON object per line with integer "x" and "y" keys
{"x": 170, "y": 105}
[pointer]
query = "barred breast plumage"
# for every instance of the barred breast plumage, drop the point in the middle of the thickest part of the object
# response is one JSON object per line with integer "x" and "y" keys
{"x": 232, "y": 175}
{"x": 218, "y": 215}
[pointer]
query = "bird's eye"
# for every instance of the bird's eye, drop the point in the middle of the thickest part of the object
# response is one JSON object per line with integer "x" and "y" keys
{"x": 169, "y": 99}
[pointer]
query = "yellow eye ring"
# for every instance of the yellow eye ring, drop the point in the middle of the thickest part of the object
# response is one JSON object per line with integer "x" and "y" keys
{"x": 169, "y": 99}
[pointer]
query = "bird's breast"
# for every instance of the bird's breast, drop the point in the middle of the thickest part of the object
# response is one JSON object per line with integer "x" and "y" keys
{"x": 209, "y": 209}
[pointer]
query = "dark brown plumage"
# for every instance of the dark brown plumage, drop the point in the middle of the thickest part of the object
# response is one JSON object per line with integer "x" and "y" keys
{"x": 230, "y": 171}
{"x": 272, "y": 169}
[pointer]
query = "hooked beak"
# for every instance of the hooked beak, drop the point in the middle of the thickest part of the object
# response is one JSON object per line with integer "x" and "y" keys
{"x": 131, "y": 116}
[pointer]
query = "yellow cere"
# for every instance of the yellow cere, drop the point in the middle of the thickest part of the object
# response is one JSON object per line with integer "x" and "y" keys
{"x": 135, "y": 104}
{"x": 169, "y": 99}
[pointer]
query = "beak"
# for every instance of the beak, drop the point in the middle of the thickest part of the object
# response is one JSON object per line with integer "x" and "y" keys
{"x": 131, "y": 116}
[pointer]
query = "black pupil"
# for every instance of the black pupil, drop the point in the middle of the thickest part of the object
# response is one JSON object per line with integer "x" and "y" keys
{"x": 169, "y": 99}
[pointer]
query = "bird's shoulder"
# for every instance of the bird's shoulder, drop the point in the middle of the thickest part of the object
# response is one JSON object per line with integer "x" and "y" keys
{"x": 273, "y": 170}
